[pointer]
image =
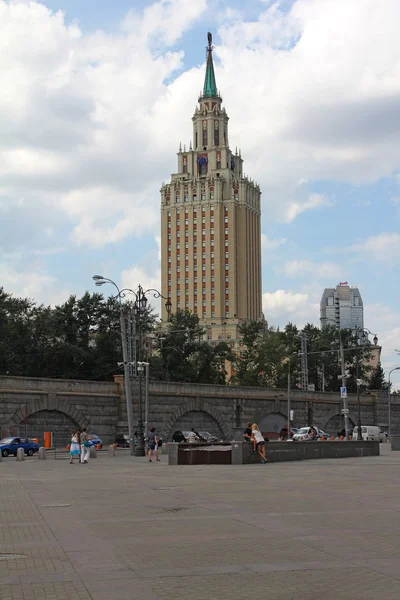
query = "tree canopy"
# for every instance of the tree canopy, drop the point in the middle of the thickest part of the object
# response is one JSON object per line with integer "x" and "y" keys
{"x": 81, "y": 339}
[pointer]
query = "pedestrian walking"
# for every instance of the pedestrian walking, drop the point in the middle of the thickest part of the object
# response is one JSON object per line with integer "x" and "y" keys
{"x": 85, "y": 447}
{"x": 259, "y": 442}
{"x": 152, "y": 444}
{"x": 75, "y": 448}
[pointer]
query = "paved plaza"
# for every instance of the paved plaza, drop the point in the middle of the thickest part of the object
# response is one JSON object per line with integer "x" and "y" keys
{"x": 125, "y": 529}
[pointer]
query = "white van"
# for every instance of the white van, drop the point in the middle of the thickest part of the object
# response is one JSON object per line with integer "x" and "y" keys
{"x": 369, "y": 433}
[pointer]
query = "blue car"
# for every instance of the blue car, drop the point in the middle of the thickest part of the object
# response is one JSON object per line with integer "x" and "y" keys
{"x": 10, "y": 445}
{"x": 94, "y": 440}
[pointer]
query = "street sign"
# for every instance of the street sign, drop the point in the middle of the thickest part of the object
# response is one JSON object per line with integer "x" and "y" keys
{"x": 345, "y": 411}
{"x": 291, "y": 415}
{"x": 343, "y": 392}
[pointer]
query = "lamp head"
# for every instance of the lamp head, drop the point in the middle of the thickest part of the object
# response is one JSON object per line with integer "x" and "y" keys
{"x": 375, "y": 340}
{"x": 98, "y": 277}
{"x": 142, "y": 302}
{"x": 168, "y": 306}
{"x": 99, "y": 283}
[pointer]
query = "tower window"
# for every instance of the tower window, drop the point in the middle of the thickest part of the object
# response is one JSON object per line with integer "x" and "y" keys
{"x": 212, "y": 197}
{"x": 205, "y": 136}
{"x": 218, "y": 164}
{"x": 185, "y": 198}
{"x": 185, "y": 168}
{"x": 203, "y": 196}
{"x": 177, "y": 199}
{"x": 194, "y": 199}
{"x": 203, "y": 169}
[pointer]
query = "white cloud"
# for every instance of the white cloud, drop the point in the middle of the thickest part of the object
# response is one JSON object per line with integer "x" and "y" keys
{"x": 301, "y": 268}
{"x": 81, "y": 114}
{"x": 37, "y": 285}
{"x": 383, "y": 247}
{"x": 294, "y": 209}
{"x": 281, "y": 307}
{"x": 268, "y": 243}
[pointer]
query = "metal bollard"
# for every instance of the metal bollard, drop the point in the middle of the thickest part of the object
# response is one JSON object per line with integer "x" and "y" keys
{"x": 93, "y": 452}
{"x": 42, "y": 453}
{"x": 111, "y": 451}
{"x": 1, "y": 456}
{"x": 20, "y": 454}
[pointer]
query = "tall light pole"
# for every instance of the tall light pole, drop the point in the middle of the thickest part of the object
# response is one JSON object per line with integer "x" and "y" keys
{"x": 127, "y": 367}
{"x": 362, "y": 335}
{"x": 343, "y": 377}
{"x": 390, "y": 404}
{"x": 145, "y": 365}
{"x": 130, "y": 366}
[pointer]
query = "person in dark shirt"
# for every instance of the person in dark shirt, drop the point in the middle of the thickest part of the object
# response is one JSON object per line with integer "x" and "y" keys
{"x": 248, "y": 435}
{"x": 247, "y": 432}
{"x": 178, "y": 437}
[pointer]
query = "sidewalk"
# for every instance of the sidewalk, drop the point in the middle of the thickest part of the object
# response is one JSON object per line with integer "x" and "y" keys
{"x": 124, "y": 529}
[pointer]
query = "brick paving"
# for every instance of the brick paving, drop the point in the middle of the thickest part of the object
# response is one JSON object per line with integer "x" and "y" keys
{"x": 124, "y": 529}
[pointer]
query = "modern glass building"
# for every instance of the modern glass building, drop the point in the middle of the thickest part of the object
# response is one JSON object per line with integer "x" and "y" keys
{"x": 342, "y": 306}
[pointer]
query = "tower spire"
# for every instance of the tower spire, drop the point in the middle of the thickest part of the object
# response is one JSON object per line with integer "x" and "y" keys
{"x": 210, "y": 85}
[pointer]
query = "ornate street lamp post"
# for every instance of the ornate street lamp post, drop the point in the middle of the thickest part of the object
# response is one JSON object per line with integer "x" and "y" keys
{"x": 390, "y": 405}
{"x": 131, "y": 366}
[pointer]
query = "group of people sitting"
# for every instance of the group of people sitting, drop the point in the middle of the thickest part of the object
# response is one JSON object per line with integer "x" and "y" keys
{"x": 253, "y": 434}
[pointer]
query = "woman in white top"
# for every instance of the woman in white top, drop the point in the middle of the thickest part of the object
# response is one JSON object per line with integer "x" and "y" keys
{"x": 75, "y": 449}
{"x": 259, "y": 442}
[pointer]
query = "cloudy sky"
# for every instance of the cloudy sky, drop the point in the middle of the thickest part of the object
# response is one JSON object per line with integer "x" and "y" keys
{"x": 97, "y": 95}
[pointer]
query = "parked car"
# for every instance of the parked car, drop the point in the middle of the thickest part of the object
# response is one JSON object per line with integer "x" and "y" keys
{"x": 369, "y": 433}
{"x": 122, "y": 440}
{"x": 305, "y": 434}
{"x": 283, "y": 432}
{"x": 208, "y": 437}
{"x": 10, "y": 445}
{"x": 94, "y": 440}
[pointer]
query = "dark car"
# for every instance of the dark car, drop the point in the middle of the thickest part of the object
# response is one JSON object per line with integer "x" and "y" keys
{"x": 206, "y": 436}
{"x": 94, "y": 440}
{"x": 10, "y": 445}
{"x": 283, "y": 432}
{"x": 122, "y": 440}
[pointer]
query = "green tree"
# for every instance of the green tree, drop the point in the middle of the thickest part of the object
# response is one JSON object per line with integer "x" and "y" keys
{"x": 377, "y": 381}
{"x": 186, "y": 357}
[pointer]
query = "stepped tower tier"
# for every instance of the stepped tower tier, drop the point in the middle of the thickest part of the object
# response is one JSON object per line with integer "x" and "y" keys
{"x": 210, "y": 224}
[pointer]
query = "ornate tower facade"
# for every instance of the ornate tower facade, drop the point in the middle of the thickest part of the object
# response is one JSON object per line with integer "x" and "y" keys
{"x": 210, "y": 225}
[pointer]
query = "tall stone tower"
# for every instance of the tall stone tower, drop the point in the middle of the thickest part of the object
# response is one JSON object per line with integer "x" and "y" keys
{"x": 210, "y": 225}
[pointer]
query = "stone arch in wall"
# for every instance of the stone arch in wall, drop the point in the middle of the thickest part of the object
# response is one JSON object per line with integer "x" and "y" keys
{"x": 194, "y": 406}
{"x": 271, "y": 423}
{"x": 334, "y": 422}
{"x": 52, "y": 404}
